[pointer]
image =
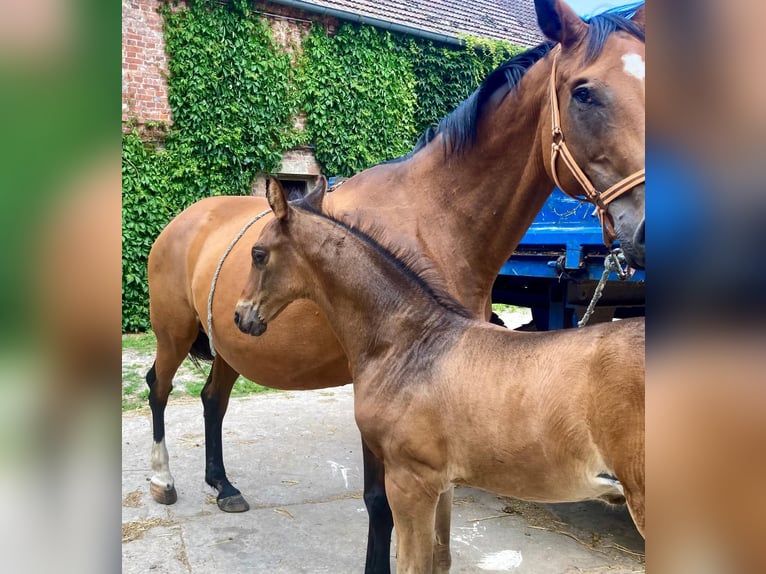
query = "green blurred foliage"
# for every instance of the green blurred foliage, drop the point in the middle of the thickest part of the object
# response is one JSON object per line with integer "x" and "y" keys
{"x": 59, "y": 106}
{"x": 57, "y": 114}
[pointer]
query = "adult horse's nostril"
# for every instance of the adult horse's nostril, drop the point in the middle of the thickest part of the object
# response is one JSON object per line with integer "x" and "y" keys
{"x": 640, "y": 236}
{"x": 236, "y": 317}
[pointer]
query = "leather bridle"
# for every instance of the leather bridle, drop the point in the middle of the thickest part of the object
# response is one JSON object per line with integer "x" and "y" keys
{"x": 589, "y": 193}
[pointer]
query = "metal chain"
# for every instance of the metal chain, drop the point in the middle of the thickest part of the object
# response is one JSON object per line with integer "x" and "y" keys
{"x": 612, "y": 264}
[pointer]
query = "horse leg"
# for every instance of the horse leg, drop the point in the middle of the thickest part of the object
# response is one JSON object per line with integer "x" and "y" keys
{"x": 442, "y": 557}
{"x": 414, "y": 509}
{"x": 171, "y": 352}
{"x": 381, "y": 521}
{"x": 215, "y": 400}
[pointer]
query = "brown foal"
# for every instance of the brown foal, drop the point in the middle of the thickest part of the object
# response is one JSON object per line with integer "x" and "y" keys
{"x": 443, "y": 398}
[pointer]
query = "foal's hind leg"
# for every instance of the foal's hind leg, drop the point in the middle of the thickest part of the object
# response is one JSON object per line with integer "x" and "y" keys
{"x": 215, "y": 399}
{"x": 171, "y": 352}
{"x": 381, "y": 521}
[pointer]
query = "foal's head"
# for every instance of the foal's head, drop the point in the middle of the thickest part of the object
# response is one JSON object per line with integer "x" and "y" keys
{"x": 278, "y": 274}
{"x": 599, "y": 88}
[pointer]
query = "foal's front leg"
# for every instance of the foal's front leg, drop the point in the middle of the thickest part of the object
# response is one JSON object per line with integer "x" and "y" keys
{"x": 442, "y": 556}
{"x": 414, "y": 508}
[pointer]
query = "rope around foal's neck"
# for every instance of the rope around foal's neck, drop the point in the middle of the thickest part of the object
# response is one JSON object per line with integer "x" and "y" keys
{"x": 218, "y": 271}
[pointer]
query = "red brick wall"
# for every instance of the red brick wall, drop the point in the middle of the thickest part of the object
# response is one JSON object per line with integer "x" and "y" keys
{"x": 145, "y": 67}
{"x": 144, "y": 63}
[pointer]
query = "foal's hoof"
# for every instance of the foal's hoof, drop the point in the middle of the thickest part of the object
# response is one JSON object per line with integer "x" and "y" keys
{"x": 235, "y": 503}
{"x": 162, "y": 494}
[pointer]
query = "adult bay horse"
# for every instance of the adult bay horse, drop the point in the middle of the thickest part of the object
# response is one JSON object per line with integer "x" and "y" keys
{"x": 444, "y": 398}
{"x": 463, "y": 198}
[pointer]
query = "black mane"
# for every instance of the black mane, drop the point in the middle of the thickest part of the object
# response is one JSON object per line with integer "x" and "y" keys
{"x": 613, "y": 20}
{"x": 416, "y": 267}
{"x": 459, "y": 126}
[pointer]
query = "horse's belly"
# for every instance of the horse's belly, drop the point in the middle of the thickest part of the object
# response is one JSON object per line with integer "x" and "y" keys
{"x": 541, "y": 481}
{"x": 298, "y": 351}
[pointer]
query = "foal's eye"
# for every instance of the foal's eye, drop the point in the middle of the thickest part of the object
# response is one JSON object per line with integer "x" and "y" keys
{"x": 584, "y": 95}
{"x": 260, "y": 256}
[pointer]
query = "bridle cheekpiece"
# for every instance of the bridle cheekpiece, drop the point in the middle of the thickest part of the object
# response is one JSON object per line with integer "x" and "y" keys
{"x": 589, "y": 193}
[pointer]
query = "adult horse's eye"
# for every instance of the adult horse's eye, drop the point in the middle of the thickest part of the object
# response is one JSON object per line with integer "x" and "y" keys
{"x": 260, "y": 256}
{"x": 584, "y": 95}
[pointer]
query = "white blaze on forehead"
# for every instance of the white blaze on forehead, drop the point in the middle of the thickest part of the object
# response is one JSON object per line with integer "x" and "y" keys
{"x": 633, "y": 64}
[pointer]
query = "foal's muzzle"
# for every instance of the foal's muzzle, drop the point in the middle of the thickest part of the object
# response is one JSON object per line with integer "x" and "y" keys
{"x": 248, "y": 319}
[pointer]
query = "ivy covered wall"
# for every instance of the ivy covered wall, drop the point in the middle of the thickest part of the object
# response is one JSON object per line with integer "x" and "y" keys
{"x": 235, "y": 94}
{"x": 357, "y": 89}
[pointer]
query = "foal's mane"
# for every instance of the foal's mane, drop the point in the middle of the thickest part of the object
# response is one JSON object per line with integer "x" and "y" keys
{"x": 415, "y": 267}
{"x": 459, "y": 126}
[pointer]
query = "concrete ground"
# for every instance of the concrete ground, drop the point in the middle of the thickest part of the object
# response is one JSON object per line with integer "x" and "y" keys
{"x": 296, "y": 457}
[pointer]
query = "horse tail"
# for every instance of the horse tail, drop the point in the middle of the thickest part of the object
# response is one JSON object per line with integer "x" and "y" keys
{"x": 200, "y": 349}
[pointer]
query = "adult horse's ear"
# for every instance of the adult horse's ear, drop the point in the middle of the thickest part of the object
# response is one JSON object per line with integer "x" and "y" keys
{"x": 559, "y": 22}
{"x": 275, "y": 194}
{"x": 315, "y": 197}
{"x": 640, "y": 17}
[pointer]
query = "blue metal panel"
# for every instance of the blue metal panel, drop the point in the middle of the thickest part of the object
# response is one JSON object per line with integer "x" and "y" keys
{"x": 548, "y": 268}
{"x": 564, "y": 239}
{"x": 563, "y": 248}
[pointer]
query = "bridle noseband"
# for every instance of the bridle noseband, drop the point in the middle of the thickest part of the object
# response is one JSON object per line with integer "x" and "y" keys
{"x": 589, "y": 194}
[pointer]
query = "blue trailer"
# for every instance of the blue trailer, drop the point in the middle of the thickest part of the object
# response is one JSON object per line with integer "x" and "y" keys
{"x": 556, "y": 267}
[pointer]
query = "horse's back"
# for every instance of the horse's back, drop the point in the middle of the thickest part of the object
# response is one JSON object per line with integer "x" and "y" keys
{"x": 194, "y": 224}
{"x": 596, "y": 372}
{"x": 621, "y": 350}
{"x": 189, "y": 245}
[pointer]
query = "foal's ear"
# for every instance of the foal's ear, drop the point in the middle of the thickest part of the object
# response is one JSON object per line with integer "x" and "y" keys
{"x": 640, "y": 17}
{"x": 315, "y": 197}
{"x": 275, "y": 193}
{"x": 559, "y": 22}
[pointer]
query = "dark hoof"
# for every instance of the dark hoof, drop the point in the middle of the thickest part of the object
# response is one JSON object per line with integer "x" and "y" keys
{"x": 236, "y": 503}
{"x": 163, "y": 495}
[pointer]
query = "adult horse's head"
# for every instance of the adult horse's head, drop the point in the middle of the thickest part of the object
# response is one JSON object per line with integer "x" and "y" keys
{"x": 275, "y": 279}
{"x": 595, "y": 140}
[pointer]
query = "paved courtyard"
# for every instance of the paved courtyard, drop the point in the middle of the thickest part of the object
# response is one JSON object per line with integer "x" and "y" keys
{"x": 296, "y": 457}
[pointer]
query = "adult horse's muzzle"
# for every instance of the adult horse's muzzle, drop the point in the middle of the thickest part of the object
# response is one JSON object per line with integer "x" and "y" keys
{"x": 630, "y": 230}
{"x": 248, "y": 319}
{"x": 637, "y": 258}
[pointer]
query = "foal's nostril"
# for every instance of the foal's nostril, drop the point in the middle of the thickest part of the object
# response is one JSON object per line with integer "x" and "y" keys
{"x": 236, "y": 317}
